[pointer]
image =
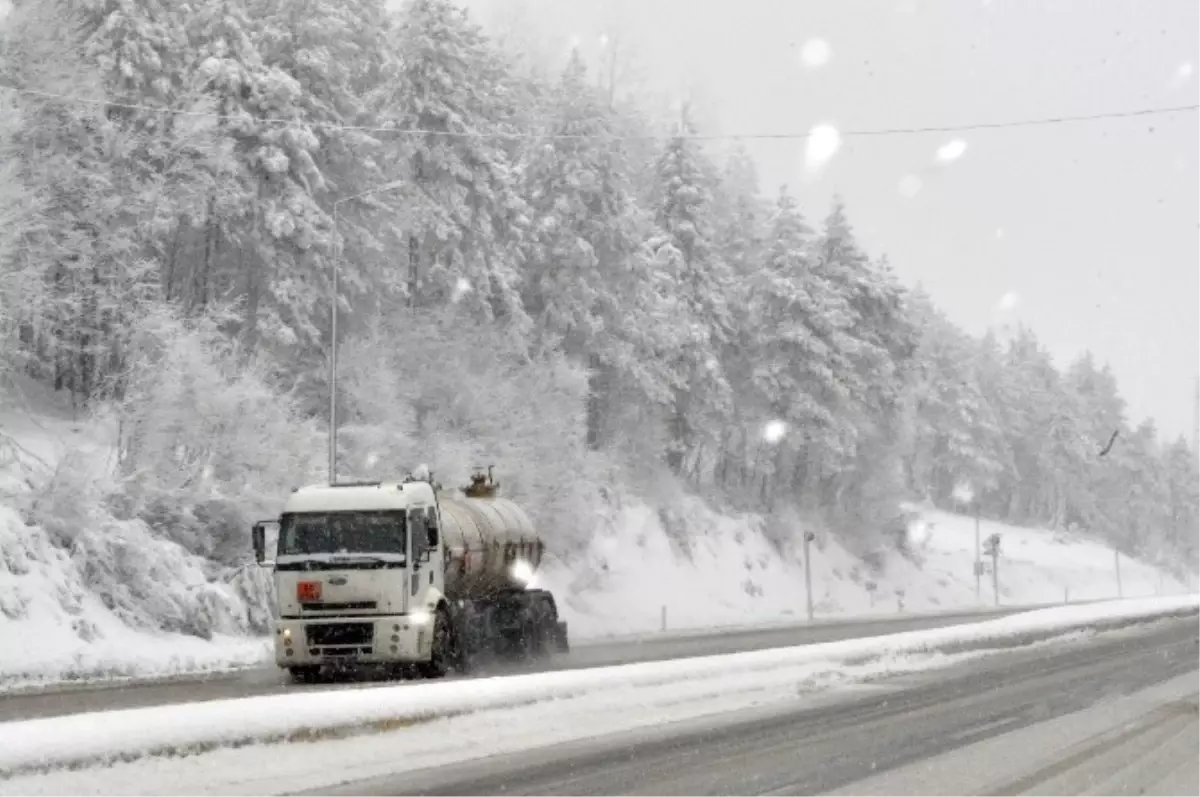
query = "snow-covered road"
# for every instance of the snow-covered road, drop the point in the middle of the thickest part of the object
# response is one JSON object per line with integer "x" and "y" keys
{"x": 454, "y": 721}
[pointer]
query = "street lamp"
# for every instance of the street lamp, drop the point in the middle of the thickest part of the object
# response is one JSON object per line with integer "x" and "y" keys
{"x": 964, "y": 494}
{"x": 333, "y": 320}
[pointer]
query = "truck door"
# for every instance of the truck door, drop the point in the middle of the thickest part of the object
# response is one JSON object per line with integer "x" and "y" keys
{"x": 425, "y": 543}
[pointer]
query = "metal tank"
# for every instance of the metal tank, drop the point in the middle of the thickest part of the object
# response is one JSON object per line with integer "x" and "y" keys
{"x": 490, "y": 543}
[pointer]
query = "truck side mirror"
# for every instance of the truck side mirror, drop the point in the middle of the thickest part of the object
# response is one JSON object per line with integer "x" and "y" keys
{"x": 258, "y": 538}
{"x": 431, "y": 524}
{"x": 420, "y": 536}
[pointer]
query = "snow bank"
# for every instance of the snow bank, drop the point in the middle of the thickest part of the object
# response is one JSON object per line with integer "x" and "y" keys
{"x": 731, "y": 574}
{"x": 311, "y": 767}
{"x": 59, "y": 741}
{"x": 85, "y": 595}
{"x": 100, "y": 607}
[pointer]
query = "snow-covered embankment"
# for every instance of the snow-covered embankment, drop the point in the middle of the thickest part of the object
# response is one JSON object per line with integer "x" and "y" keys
{"x": 73, "y": 740}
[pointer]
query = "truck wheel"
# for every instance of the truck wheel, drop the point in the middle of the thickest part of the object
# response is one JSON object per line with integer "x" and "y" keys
{"x": 439, "y": 656}
{"x": 542, "y": 642}
{"x": 304, "y": 675}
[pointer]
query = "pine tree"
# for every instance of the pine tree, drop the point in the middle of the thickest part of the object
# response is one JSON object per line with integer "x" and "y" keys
{"x": 83, "y": 270}
{"x": 590, "y": 282}
{"x": 702, "y": 281}
{"x": 467, "y": 222}
{"x": 955, "y": 438}
{"x": 740, "y": 235}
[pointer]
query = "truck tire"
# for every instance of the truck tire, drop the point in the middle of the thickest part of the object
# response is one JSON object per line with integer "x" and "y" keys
{"x": 304, "y": 675}
{"x": 561, "y": 644}
{"x": 440, "y": 652}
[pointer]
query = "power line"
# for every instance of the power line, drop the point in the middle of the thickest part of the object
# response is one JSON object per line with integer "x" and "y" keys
{"x": 887, "y": 131}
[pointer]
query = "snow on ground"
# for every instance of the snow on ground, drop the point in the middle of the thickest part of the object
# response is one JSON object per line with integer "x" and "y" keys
{"x": 505, "y": 712}
{"x": 87, "y": 595}
{"x": 293, "y": 767}
{"x": 733, "y": 574}
{"x": 1134, "y": 743}
{"x": 62, "y": 620}
{"x": 92, "y": 595}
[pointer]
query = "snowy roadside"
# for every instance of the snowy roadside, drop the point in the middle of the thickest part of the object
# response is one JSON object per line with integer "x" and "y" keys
{"x": 791, "y": 621}
{"x": 37, "y": 745}
{"x": 292, "y": 767}
{"x": 170, "y": 658}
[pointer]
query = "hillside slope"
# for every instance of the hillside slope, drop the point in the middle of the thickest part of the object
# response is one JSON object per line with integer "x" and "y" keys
{"x": 84, "y": 594}
{"x": 732, "y": 574}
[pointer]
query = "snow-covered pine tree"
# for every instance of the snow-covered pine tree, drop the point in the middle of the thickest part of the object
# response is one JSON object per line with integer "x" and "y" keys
{"x": 83, "y": 268}
{"x": 591, "y": 284}
{"x": 702, "y": 283}
{"x": 467, "y": 221}
{"x": 795, "y": 348}
{"x": 954, "y": 437}
{"x": 740, "y": 233}
{"x": 876, "y": 340}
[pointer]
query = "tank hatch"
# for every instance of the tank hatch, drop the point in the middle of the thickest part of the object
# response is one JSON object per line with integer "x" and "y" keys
{"x": 482, "y": 485}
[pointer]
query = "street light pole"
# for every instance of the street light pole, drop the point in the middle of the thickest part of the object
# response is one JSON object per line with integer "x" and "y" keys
{"x": 978, "y": 559}
{"x": 808, "y": 601}
{"x": 333, "y": 319}
{"x": 333, "y": 344}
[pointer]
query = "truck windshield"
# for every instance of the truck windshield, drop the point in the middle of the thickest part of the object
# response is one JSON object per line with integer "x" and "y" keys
{"x": 342, "y": 533}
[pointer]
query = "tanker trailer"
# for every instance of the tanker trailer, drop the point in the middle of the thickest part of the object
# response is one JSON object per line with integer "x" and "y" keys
{"x": 406, "y": 576}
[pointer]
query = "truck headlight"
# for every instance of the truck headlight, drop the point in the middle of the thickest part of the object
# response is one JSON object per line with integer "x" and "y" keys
{"x": 521, "y": 572}
{"x": 419, "y": 617}
{"x": 287, "y": 636}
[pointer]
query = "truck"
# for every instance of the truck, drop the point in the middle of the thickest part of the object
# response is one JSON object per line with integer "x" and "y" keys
{"x": 406, "y": 577}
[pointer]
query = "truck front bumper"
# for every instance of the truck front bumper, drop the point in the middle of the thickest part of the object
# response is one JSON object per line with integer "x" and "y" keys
{"x": 392, "y": 639}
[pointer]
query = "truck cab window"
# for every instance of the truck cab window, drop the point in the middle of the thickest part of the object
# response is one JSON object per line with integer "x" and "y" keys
{"x": 337, "y": 532}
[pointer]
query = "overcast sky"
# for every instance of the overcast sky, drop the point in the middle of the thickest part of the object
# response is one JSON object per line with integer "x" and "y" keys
{"x": 1091, "y": 227}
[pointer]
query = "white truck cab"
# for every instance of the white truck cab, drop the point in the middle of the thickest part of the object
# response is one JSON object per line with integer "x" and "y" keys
{"x": 359, "y": 575}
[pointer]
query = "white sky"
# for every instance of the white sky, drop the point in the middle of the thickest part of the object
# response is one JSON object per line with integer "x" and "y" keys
{"x": 1091, "y": 227}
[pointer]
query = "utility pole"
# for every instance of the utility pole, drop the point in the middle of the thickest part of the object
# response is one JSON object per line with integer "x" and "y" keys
{"x": 333, "y": 344}
{"x": 965, "y": 497}
{"x": 333, "y": 319}
{"x": 808, "y": 603}
{"x": 1117, "y": 563}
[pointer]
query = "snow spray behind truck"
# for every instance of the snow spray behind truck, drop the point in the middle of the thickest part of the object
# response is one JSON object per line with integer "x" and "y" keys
{"x": 406, "y": 576}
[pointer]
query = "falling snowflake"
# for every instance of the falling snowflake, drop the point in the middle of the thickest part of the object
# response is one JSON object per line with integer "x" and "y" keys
{"x": 774, "y": 431}
{"x": 815, "y": 53}
{"x": 951, "y": 150}
{"x": 823, "y": 143}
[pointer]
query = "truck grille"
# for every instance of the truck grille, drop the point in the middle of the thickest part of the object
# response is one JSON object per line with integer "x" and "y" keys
{"x": 353, "y": 606}
{"x": 340, "y": 637}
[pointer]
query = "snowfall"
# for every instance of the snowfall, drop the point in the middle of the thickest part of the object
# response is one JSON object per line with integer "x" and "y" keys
{"x": 90, "y": 597}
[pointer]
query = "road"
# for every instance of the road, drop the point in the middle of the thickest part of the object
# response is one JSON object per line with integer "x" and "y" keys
{"x": 248, "y": 683}
{"x": 1114, "y": 714}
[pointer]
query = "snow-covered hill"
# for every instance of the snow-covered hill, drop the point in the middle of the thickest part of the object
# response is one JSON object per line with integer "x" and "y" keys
{"x": 89, "y": 594}
{"x": 733, "y": 575}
